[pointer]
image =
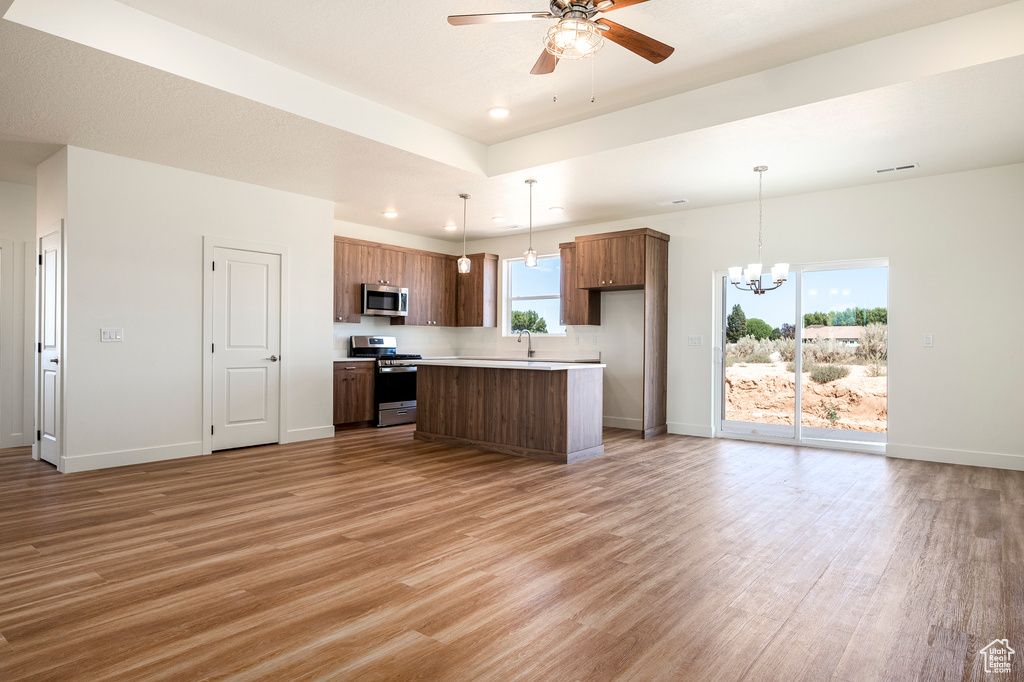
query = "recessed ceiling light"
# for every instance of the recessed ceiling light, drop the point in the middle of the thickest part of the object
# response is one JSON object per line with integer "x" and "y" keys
{"x": 451, "y": 228}
{"x": 556, "y": 209}
{"x": 498, "y": 112}
{"x": 499, "y": 218}
{"x": 391, "y": 213}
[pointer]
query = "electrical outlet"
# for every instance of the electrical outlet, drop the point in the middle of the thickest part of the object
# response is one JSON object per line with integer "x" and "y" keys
{"x": 577, "y": 338}
{"x": 928, "y": 341}
{"x": 593, "y": 340}
{"x": 696, "y": 340}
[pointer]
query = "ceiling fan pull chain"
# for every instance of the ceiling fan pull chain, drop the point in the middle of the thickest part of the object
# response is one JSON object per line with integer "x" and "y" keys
{"x": 554, "y": 88}
{"x": 593, "y": 60}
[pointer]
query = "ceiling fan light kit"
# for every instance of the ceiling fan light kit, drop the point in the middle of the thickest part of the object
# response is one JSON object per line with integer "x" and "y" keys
{"x": 573, "y": 39}
{"x": 750, "y": 276}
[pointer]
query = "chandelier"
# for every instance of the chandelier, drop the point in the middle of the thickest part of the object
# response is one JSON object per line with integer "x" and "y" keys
{"x": 573, "y": 38}
{"x": 751, "y": 275}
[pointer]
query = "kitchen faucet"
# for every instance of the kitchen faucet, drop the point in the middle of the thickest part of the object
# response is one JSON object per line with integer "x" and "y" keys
{"x": 529, "y": 341}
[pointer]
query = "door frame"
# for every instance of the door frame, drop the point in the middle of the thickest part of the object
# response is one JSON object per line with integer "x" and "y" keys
{"x": 209, "y": 244}
{"x": 718, "y": 357}
{"x": 57, "y": 227}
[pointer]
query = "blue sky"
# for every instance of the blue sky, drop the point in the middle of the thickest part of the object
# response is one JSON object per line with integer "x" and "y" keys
{"x": 823, "y": 291}
{"x": 539, "y": 281}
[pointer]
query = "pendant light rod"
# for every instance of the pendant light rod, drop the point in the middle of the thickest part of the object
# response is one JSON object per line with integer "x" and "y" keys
{"x": 530, "y": 255}
{"x": 464, "y": 263}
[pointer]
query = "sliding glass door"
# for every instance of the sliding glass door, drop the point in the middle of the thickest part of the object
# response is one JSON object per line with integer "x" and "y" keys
{"x": 759, "y": 375}
{"x": 837, "y": 316}
{"x": 845, "y": 353}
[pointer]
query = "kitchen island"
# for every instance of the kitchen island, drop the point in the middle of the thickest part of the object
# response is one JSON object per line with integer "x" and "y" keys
{"x": 542, "y": 410}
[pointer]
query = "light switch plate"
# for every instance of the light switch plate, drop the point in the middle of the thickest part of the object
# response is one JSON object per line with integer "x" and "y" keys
{"x": 928, "y": 341}
{"x": 696, "y": 340}
{"x": 111, "y": 335}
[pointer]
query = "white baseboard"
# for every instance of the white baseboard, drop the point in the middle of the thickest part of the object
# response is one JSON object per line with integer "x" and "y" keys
{"x": 311, "y": 433}
{"x": 699, "y": 430}
{"x": 623, "y": 423}
{"x": 104, "y": 460}
{"x": 992, "y": 460}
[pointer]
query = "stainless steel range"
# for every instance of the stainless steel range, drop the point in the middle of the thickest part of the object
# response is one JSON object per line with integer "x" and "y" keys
{"x": 394, "y": 381}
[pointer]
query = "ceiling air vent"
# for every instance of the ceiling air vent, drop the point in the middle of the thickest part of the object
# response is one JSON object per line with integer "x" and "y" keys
{"x": 505, "y": 228}
{"x": 673, "y": 202}
{"x": 893, "y": 169}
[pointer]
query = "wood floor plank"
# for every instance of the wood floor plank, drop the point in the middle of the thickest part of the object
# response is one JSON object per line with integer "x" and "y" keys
{"x": 372, "y": 556}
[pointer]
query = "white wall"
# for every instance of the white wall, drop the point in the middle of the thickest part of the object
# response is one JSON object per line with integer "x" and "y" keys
{"x": 17, "y": 276}
{"x": 947, "y": 239}
{"x": 134, "y": 259}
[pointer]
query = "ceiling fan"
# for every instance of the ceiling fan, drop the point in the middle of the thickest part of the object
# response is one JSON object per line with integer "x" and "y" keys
{"x": 577, "y": 35}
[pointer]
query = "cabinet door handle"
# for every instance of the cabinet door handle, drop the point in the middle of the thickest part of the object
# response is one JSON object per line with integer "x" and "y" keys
{"x": 350, "y": 368}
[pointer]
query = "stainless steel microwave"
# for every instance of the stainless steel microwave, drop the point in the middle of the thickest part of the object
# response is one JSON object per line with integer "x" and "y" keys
{"x": 380, "y": 299}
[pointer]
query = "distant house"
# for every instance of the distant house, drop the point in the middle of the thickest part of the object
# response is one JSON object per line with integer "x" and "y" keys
{"x": 850, "y": 335}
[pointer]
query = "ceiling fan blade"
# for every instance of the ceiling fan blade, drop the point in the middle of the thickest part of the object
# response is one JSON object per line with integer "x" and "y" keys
{"x": 466, "y": 19}
{"x": 546, "y": 63}
{"x": 619, "y": 4}
{"x": 645, "y": 46}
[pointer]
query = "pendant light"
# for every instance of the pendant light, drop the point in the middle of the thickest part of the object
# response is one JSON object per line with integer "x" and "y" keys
{"x": 464, "y": 262}
{"x": 530, "y": 253}
{"x": 751, "y": 275}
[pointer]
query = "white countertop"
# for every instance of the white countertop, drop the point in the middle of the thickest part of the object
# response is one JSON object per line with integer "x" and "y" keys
{"x": 338, "y": 358}
{"x": 508, "y": 364}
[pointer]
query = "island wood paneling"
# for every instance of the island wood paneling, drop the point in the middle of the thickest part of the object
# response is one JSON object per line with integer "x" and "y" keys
{"x": 532, "y": 413}
{"x": 371, "y": 556}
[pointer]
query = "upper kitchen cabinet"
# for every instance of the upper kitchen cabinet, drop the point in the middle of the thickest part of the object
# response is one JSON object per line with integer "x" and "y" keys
{"x": 430, "y": 278}
{"x": 477, "y": 303}
{"x": 355, "y": 262}
{"x": 392, "y": 267}
{"x": 578, "y": 306}
{"x": 612, "y": 261}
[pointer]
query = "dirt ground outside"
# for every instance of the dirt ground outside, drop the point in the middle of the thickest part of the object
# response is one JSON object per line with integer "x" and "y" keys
{"x": 764, "y": 393}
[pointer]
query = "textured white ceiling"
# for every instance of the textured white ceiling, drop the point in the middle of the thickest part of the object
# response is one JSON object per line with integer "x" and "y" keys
{"x": 950, "y": 104}
{"x": 405, "y": 54}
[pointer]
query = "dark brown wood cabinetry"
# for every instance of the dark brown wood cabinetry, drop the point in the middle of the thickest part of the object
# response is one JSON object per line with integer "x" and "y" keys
{"x": 353, "y": 392}
{"x": 477, "y": 300}
{"x": 430, "y": 279}
{"x": 611, "y": 262}
{"x": 436, "y": 290}
{"x": 355, "y": 262}
{"x": 579, "y": 306}
{"x": 632, "y": 259}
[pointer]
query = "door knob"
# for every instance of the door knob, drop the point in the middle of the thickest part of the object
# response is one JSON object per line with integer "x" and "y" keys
{"x": 273, "y": 358}
{"x": 55, "y": 361}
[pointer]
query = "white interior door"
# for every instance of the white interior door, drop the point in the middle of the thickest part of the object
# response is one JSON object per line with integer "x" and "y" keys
{"x": 246, "y": 348}
{"x": 50, "y": 330}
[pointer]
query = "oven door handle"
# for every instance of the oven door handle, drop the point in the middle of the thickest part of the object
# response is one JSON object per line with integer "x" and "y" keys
{"x": 400, "y": 368}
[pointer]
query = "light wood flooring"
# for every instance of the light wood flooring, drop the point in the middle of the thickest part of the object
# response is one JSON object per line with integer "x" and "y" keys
{"x": 371, "y": 556}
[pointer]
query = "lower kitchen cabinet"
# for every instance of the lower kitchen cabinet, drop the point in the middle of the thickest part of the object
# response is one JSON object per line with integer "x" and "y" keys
{"x": 353, "y": 392}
